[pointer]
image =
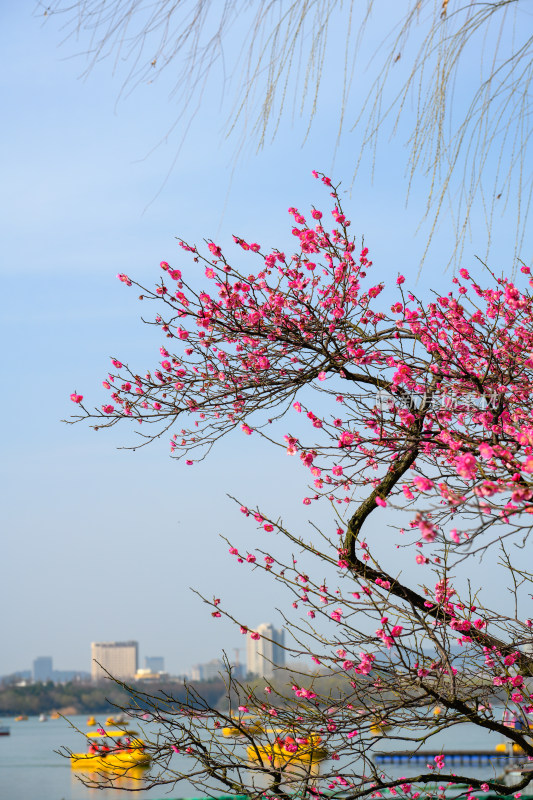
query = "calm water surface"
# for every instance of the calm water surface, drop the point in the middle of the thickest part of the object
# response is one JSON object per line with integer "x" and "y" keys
{"x": 31, "y": 770}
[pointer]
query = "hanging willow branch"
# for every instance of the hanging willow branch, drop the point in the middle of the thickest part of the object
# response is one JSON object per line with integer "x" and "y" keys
{"x": 473, "y": 155}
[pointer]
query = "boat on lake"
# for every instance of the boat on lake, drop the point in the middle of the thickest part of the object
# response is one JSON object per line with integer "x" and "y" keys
{"x": 43, "y": 718}
{"x": 289, "y": 750}
{"x": 116, "y": 751}
{"x": 114, "y": 721}
{"x": 379, "y": 727}
{"x": 246, "y": 723}
{"x": 91, "y": 722}
{"x": 21, "y": 718}
{"x": 4, "y": 730}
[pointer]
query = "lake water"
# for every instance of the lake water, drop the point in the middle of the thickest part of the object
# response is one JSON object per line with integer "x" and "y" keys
{"x": 31, "y": 770}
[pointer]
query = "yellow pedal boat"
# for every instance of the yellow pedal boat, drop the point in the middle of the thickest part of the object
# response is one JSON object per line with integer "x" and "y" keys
{"x": 284, "y": 751}
{"x": 379, "y": 728}
{"x": 247, "y": 724}
{"x": 124, "y": 752}
{"x": 504, "y": 747}
{"x": 110, "y": 721}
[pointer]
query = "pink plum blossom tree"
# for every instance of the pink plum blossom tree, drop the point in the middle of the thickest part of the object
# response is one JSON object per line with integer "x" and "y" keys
{"x": 410, "y": 414}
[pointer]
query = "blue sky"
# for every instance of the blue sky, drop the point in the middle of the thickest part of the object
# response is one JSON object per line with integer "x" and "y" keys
{"x": 101, "y": 543}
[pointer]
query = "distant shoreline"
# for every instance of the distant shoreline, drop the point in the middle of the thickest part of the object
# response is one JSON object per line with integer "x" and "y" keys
{"x": 87, "y": 698}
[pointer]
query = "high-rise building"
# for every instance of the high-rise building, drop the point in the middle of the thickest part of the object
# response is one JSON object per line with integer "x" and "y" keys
{"x": 209, "y": 671}
{"x": 119, "y": 659}
{"x": 213, "y": 669}
{"x": 43, "y": 669}
{"x": 263, "y": 655}
{"x": 155, "y": 663}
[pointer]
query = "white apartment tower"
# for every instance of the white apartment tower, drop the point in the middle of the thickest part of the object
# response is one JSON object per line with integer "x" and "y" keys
{"x": 265, "y": 653}
{"x": 119, "y": 659}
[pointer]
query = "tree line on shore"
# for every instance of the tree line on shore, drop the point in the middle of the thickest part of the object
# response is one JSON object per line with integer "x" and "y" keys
{"x": 80, "y": 698}
{"x": 41, "y": 698}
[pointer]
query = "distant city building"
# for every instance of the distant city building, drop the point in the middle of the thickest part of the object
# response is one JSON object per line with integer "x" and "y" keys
{"x": 119, "y": 659}
{"x": 14, "y": 677}
{"x": 43, "y": 669}
{"x": 69, "y": 675}
{"x": 148, "y": 675}
{"x": 213, "y": 669}
{"x": 208, "y": 671}
{"x": 238, "y": 671}
{"x": 154, "y": 663}
{"x": 263, "y": 655}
